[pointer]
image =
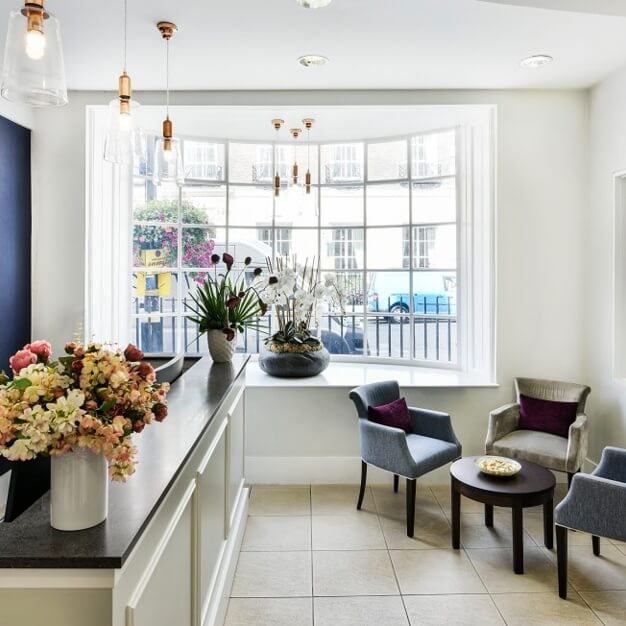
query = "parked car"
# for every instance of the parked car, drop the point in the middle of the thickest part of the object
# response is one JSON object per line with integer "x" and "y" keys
{"x": 434, "y": 294}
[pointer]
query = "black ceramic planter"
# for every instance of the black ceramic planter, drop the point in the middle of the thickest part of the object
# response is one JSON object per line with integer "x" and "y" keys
{"x": 294, "y": 364}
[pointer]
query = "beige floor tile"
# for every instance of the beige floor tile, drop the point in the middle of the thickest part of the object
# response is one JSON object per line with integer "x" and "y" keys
{"x": 353, "y": 573}
{"x": 347, "y": 532}
{"x": 442, "y": 494}
{"x": 279, "y": 500}
{"x": 273, "y": 575}
{"x": 269, "y": 612}
{"x": 474, "y": 534}
{"x": 360, "y": 611}
{"x": 340, "y": 500}
{"x": 435, "y": 572}
{"x": 587, "y": 572}
{"x": 533, "y": 525}
{"x": 609, "y": 606}
{"x": 452, "y": 610}
{"x": 432, "y": 530}
{"x": 534, "y": 609}
{"x": 280, "y": 532}
{"x": 393, "y": 505}
{"x": 495, "y": 567}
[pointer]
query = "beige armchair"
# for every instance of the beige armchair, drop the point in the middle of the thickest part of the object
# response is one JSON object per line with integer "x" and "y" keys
{"x": 551, "y": 451}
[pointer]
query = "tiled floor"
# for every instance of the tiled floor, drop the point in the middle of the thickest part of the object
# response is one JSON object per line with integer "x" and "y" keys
{"x": 310, "y": 558}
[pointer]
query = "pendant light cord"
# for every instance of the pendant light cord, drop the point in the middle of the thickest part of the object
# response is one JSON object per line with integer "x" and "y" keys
{"x": 125, "y": 31}
{"x": 167, "y": 78}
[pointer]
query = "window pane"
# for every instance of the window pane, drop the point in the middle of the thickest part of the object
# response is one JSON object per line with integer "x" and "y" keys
{"x": 384, "y": 248}
{"x": 386, "y": 161}
{"x": 144, "y": 155}
{"x": 199, "y": 244}
{"x": 154, "y": 292}
{"x": 434, "y": 201}
{"x": 388, "y": 291}
{"x": 434, "y": 247}
{"x": 192, "y": 342}
{"x": 244, "y": 242}
{"x": 342, "y": 248}
{"x": 342, "y": 334}
{"x": 203, "y": 204}
{"x": 387, "y": 204}
{"x": 433, "y": 154}
{"x": 304, "y": 243}
{"x": 250, "y": 206}
{"x": 295, "y": 207}
{"x": 342, "y": 206}
{"x": 288, "y": 155}
{"x": 250, "y": 163}
{"x": 203, "y": 160}
{"x": 155, "y": 246}
{"x": 155, "y": 204}
{"x": 389, "y": 336}
{"x": 155, "y": 334}
{"x": 342, "y": 163}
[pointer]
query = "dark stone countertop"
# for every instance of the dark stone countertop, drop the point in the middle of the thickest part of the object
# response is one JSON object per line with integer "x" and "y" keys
{"x": 30, "y": 541}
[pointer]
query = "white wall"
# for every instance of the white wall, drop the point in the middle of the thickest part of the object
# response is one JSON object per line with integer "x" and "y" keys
{"x": 607, "y": 402}
{"x": 541, "y": 202}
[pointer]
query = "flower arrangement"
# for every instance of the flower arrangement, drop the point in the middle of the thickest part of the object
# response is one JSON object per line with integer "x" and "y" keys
{"x": 93, "y": 397}
{"x": 298, "y": 296}
{"x": 221, "y": 303}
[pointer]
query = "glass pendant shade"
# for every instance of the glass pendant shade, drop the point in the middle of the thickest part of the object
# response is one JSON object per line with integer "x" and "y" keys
{"x": 168, "y": 161}
{"x": 124, "y": 142}
{"x": 33, "y": 71}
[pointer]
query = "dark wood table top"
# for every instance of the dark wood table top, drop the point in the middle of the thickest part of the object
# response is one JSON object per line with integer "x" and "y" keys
{"x": 532, "y": 478}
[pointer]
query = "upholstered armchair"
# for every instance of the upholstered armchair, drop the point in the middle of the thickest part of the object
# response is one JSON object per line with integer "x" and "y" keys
{"x": 595, "y": 504}
{"x": 548, "y": 450}
{"x": 430, "y": 443}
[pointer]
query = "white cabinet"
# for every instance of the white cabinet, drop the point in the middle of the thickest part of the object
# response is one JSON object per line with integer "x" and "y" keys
{"x": 235, "y": 431}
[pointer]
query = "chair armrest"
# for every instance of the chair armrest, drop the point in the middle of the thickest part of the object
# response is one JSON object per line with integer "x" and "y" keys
{"x": 577, "y": 443}
{"x": 612, "y": 464}
{"x": 433, "y": 424}
{"x": 502, "y": 421}
{"x": 594, "y": 505}
{"x": 386, "y": 447}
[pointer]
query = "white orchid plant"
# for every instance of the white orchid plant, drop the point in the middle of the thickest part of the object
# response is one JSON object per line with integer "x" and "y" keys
{"x": 298, "y": 296}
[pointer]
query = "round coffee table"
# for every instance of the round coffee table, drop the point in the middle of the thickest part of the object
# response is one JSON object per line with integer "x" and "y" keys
{"x": 531, "y": 486}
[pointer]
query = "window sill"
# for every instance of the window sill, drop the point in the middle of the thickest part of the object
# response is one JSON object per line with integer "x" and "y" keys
{"x": 348, "y": 375}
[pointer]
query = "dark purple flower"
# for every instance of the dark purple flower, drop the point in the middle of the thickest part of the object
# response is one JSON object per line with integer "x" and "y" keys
{"x": 215, "y": 258}
{"x": 273, "y": 280}
{"x": 229, "y": 332}
{"x": 232, "y": 302}
{"x": 247, "y": 260}
{"x": 258, "y": 271}
{"x": 228, "y": 260}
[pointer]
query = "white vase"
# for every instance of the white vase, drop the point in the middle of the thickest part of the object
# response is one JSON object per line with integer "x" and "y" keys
{"x": 220, "y": 349}
{"x": 79, "y": 489}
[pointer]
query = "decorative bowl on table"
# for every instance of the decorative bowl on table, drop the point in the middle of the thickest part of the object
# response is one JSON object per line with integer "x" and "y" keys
{"x": 497, "y": 465}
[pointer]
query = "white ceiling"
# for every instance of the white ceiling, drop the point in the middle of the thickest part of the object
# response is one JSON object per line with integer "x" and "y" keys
{"x": 372, "y": 44}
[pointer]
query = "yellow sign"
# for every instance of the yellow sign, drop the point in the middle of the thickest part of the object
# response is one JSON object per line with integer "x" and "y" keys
{"x": 154, "y": 284}
{"x": 153, "y": 258}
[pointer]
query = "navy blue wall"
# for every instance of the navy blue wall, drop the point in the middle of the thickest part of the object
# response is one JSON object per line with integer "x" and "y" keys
{"x": 15, "y": 237}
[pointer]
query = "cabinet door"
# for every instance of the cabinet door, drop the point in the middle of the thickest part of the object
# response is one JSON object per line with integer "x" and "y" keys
{"x": 163, "y": 596}
{"x": 211, "y": 481}
{"x": 236, "y": 414}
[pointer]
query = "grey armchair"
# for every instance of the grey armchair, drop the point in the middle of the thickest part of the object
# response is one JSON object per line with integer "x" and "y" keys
{"x": 595, "y": 504}
{"x": 551, "y": 451}
{"x": 430, "y": 444}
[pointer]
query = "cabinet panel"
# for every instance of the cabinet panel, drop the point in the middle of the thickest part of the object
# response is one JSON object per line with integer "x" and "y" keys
{"x": 236, "y": 451}
{"x": 211, "y": 482}
{"x": 163, "y": 596}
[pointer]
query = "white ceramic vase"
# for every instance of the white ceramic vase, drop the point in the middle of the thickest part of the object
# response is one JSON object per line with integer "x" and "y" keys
{"x": 79, "y": 490}
{"x": 220, "y": 349}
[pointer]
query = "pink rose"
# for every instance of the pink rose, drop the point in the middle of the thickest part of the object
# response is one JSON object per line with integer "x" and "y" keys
{"x": 77, "y": 366}
{"x": 133, "y": 353}
{"x": 22, "y": 359}
{"x": 138, "y": 426}
{"x": 79, "y": 352}
{"x": 41, "y": 348}
{"x": 70, "y": 346}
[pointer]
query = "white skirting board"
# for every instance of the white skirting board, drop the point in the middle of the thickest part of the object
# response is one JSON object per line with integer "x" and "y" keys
{"x": 265, "y": 470}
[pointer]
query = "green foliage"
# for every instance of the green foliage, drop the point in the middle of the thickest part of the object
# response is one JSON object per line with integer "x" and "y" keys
{"x": 291, "y": 333}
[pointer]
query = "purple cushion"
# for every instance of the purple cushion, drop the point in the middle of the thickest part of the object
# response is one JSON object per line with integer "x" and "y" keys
{"x": 547, "y": 416}
{"x": 395, "y": 414}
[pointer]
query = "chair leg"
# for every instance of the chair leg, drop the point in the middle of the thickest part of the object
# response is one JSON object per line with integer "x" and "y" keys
{"x": 595, "y": 542}
{"x": 396, "y": 480}
{"x": 561, "y": 555}
{"x": 363, "y": 480}
{"x": 410, "y": 506}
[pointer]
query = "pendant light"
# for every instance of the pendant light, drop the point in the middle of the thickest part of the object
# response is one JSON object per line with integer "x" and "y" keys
{"x": 168, "y": 162}
{"x": 33, "y": 71}
{"x": 295, "y": 133}
{"x": 277, "y": 124}
{"x": 308, "y": 124}
{"x": 122, "y": 142}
